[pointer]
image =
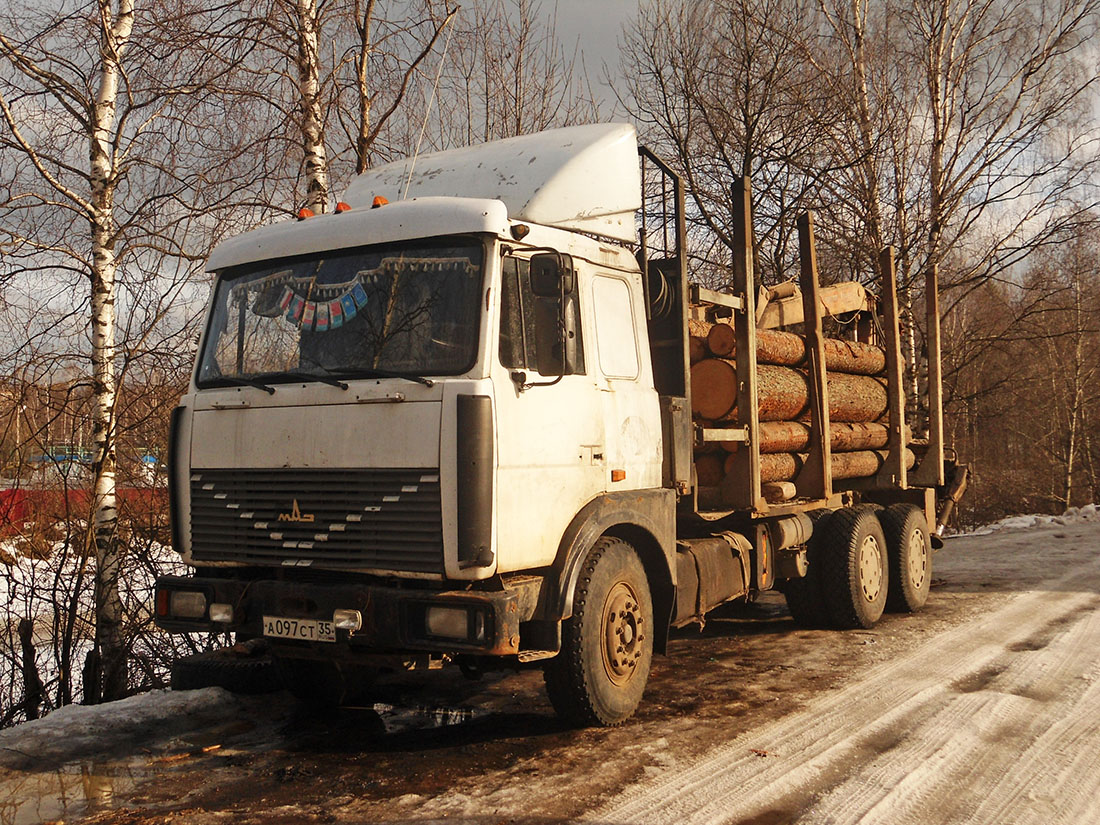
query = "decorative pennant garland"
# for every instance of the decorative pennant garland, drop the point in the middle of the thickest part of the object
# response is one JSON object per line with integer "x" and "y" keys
{"x": 331, "y": 306}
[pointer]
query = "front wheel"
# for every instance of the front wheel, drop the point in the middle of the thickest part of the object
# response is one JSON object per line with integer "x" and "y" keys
{"x": 600, "y": 674}
{"x": 804, "y": 596}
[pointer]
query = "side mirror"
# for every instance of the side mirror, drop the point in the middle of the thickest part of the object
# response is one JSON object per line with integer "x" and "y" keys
{"x": 552, "y": 275}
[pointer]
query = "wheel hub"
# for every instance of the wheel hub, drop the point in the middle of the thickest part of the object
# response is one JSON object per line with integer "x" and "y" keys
{"x": 622, "y": 633}
{"x": 870, "y": 568}
{"x": 918, "y": 558}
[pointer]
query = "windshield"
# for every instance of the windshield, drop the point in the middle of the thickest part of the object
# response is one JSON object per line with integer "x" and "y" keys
{"x": 410, "y": 309}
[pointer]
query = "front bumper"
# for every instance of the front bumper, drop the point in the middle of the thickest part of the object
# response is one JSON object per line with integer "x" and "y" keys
{"x": 393, "y": 619}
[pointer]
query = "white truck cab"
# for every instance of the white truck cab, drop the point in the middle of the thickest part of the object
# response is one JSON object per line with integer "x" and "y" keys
{"x": 405, "y": 412}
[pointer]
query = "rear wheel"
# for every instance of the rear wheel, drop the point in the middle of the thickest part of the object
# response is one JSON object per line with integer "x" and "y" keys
{"x": 854, "y": 570}
{"x": 804, "y": 596}
{"x": 600, "y": 674}
{"x": 910, "y": 552}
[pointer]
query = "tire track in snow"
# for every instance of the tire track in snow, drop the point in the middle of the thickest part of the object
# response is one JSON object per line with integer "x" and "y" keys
{"x": 985, "y": 765}
{"x": 896, "y": 744}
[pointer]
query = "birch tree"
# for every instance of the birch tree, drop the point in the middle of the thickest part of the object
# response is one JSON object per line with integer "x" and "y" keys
{"x": 106, "y": 130}
{"x": 510, "y": 74}
{"x": 384, "y": 59}
{"x": 723, "y": 90}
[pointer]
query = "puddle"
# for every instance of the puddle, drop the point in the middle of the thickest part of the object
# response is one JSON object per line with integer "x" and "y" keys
{"x": 401, "y": 719}
{"x": 68, "y": 792}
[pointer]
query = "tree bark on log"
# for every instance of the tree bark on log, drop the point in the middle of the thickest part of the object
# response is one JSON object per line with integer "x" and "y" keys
{"x": 860, "y": 464}
{"x": 783, "y": 393}
{"x": 794, "y": 436}
{"x": 786, "y": 349}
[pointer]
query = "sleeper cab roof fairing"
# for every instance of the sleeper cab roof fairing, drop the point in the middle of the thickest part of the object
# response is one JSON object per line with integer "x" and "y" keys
{"x": 581, "y": 178}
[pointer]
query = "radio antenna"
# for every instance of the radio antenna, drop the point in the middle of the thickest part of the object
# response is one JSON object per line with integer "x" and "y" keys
{"x": 431, "y": 100}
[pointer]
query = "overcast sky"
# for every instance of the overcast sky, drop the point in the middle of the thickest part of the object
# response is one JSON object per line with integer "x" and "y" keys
{"x": 597, "y": 25}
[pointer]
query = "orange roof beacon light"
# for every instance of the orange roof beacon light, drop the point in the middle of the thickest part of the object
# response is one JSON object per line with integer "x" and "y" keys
{"x": 520, "y": 230}
{"x": 305, "y": 212}
{"x": 378, "y": 201}
{"x": 343, "y": 207}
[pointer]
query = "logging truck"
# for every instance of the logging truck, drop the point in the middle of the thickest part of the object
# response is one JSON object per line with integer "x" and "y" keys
{"x": 482, "y": 415}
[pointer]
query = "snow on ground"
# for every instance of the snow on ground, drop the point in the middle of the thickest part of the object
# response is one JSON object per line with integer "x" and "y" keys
{"x": 1074, "y": 515}
{"x": 98, "y": 728}
{"x": 44, "y": 587}
{"x": 992, "y": 721}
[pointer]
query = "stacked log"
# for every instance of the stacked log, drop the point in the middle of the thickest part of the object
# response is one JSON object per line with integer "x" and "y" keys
{"x": 794, "y": 437}
{"x": 857, "y": 403}
{"x": 783, "y": 393}
{"x": 858, "y": 464}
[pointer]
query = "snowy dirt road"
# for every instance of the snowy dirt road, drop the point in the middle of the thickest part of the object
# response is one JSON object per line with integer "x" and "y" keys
{"x": 983, "y": 709}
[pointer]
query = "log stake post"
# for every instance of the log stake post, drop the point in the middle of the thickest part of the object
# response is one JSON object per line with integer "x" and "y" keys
{"x": 893, "y": 472}
{"x": 741, "y": 486}
{"x": 815, "y": 479}
{"x": 930, "y": 471}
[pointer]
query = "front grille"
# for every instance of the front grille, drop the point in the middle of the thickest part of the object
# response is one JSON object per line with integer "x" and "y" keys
{"x": 378, "y": 519}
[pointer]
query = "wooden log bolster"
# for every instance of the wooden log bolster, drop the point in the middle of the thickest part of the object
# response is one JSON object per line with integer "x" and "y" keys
{"x": 786, "y": 349}
{"x": 859, "y": 464}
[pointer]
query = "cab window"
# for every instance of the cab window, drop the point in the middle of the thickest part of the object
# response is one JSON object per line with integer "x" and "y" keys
{"x": 531, "y": 326}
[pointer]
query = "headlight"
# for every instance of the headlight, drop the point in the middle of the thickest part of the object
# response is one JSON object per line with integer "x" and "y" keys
{"x": 350, "y": 620}
{"x": 448, "y": 622}
{"x": 221, "y": 613}
{"x": 187, "y": 604}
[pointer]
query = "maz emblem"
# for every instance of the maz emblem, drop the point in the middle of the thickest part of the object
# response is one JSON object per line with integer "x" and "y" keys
{"x": 296, "y": 515}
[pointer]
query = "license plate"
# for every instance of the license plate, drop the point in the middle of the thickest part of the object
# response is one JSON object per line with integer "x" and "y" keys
{"x": 308, "y": 630}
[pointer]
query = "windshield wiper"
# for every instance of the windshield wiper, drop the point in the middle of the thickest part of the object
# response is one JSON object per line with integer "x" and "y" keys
{"x": 303, "y": 375}
{"x": 245, "y": 382}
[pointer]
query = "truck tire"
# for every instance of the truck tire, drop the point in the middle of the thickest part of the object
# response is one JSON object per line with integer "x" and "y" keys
{"x": 228, "y": 670}
{"x": 600, "y": 674}
{"x": 854, "y": 568}
{"x": 804, "y": 596}
{"x": 909, "y": 548}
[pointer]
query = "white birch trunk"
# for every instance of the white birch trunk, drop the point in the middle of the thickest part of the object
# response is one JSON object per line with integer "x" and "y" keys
{"x": 364, "y": 20}
{"x": 309, "y": 89}
{"x": 107, "y": 668}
